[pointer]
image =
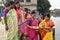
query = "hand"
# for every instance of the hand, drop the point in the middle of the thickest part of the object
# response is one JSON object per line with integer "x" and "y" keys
{"x": 6, "y": 27}
{"x": 0, "y": 19}
{"x": 43, "y": 25}
{"x": 32, "y": 27}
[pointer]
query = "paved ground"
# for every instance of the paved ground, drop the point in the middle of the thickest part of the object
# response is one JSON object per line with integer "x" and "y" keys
{"x": 1, "y": 32}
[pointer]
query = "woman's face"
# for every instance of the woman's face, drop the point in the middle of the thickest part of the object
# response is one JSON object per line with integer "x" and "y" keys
{"x": 47, "y": 18}
{"x": 17, "y": 5}
{"x": 33, "y": 15}
{"x": 41, "y": 16}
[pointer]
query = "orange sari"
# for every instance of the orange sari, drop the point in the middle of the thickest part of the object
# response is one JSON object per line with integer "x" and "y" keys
{"x": 46, "y": 34}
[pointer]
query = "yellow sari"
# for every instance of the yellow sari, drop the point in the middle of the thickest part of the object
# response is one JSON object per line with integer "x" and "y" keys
{"x": 46, "y": 34}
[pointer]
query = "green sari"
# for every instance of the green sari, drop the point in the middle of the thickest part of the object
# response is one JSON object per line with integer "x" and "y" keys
{"x": 12, "y": 32}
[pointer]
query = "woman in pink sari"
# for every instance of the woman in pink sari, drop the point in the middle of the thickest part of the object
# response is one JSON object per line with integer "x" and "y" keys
{"x": 18, "y": 11}
{"x": 32, "y": 22}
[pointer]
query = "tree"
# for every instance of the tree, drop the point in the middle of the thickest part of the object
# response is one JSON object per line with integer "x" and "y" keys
{"x": 43, "y": 6}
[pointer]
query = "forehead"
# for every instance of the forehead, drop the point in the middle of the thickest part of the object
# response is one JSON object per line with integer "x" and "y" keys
{"x": 34, "y": 14}
{"x": 46, "y": 16}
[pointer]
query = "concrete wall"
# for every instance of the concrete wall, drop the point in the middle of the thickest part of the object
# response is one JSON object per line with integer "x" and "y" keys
{"x": 34, "y": 1}
{"x": 32, "y": 7}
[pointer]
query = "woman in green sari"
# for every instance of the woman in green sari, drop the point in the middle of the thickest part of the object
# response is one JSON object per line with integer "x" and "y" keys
{"x": 11, "y": 23}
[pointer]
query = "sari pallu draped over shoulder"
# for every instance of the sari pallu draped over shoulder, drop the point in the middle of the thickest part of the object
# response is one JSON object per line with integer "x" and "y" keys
{"x": 32, "y": 33}
{"x": 12, "y": 32}
{"x": 46, "y": 34}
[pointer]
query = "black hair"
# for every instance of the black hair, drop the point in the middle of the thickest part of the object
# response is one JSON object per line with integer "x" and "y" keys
{"x": 7, "y": 4}
{"x": 48, "y": 15}
{"x": 33, "y": 12}
{"x": 11, "y": 2}
{"x": 28, "y": 11}
{"x": 17, "y": 3}
{"x": 43, "y": 15}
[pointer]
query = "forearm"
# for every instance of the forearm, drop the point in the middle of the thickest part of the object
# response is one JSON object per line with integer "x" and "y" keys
{"x": 5, "y": 20}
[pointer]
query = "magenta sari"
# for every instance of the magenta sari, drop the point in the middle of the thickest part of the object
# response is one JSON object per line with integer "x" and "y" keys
{"x": 32, "y": 34}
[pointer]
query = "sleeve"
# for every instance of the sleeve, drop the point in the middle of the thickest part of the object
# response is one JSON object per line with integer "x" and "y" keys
{"x": 29, "y": 21}
{"x": 51, "y": 24}
{"x": 41, "y": 24}
{"x": 5, "y": 12}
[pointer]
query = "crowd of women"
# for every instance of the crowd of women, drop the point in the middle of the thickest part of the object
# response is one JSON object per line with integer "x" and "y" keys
{"x": 20, "y": 23}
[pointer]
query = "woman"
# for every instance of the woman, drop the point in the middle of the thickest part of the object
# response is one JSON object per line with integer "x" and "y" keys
{"x": 11, "y": 22}
{"x": 20, "y": 17}
{"x": 18, "y": 11}
{"x": 41, "y": 17}
{"x": 6, "y": 10}
{"x": 45, "y": 28}
{"x": 32, "y": 22}
{"x": 28, "y": 13}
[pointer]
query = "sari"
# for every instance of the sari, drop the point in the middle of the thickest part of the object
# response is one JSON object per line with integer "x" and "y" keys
{"x": 32, "y": 34}
{"x": 18, "y": 11}
{"x": 12, "y": 32}
{"x": 46, "y": 34}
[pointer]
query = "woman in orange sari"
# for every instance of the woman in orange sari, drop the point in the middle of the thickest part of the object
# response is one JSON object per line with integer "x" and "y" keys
{"x": 45, "y": 28}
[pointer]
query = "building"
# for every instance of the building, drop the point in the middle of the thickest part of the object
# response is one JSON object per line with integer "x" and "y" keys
{"x": 1, "y": 3}
{"x": 55, "y": 12}
{"x": 31, "y": 4}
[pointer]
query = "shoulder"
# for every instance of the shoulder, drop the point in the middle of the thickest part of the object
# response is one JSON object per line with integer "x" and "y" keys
{"x": 51, "y": 20}
{"x": 6, "y": 9}
{"x": 29, "y": 18}
{"x": 42, "y": 22}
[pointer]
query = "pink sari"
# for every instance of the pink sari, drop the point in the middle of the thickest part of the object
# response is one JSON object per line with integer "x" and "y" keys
{"x": 32, "y": 34}
{"x": 23, "y": 28}
{"x": 18, "y": 11}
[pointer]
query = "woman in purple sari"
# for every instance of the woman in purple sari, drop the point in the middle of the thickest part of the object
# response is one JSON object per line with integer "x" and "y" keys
{"x": 32, "y": 22}
{"x": 6, "y": 10}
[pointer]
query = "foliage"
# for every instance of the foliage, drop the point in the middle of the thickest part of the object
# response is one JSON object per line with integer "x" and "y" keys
{"x": 43, "y": 5}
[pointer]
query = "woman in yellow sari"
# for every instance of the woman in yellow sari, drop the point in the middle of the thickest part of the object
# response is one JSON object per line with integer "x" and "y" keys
{"x": 45, "y": 28}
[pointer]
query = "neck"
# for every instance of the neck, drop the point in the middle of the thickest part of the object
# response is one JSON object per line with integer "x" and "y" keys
{"x": 18, "y": 8}
{"x": 46, "y": 20}
{"x": 33, "y": 17}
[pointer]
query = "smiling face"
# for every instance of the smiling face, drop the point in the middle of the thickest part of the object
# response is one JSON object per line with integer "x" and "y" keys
{"x": 47, "y": 17}
{"x": 17, "y": 5}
